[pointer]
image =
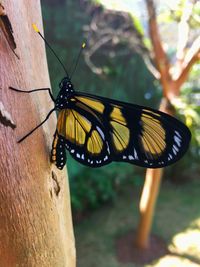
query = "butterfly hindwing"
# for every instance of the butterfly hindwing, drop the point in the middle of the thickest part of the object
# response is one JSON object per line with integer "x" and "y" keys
{"x": 84, "y": 137}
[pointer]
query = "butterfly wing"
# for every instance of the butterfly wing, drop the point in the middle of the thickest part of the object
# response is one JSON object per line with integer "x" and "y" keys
{"x": 136, "y": 134}
{"x": 84, "y": 136}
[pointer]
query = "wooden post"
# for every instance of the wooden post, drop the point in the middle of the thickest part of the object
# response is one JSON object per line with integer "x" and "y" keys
{"x": 35, "y": 213}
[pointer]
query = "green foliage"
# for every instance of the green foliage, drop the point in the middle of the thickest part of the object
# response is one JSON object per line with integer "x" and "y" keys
{"x": 175, "y": 13}
{"x": 137, "y": 24}
{"x": 189, "y": 107}
{"x": 89, "y": 189}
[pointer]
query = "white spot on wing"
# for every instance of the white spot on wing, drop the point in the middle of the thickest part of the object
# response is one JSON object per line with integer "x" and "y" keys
{"x": 177, "y": 140}
{"x": 170, "y": 156}
{"x": 174, "y": 151}
{"x": 130, "y": 157}
{"x": 101, "y": 132}
{"x": 108, "y": 149}
{"x": 177, "y": 133}
{"x": 106, "y": 157}
{"x": 135, "y": 154}
{"x": 176, "y": 148}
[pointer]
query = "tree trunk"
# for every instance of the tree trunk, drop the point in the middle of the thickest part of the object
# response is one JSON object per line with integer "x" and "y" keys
{"x": 35, "y": 224}
{"x": 147, "y": 205}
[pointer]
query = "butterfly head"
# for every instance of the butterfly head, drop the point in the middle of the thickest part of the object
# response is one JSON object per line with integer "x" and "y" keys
{"x": 66, "y": 91}
{"x": 66, "y": 85}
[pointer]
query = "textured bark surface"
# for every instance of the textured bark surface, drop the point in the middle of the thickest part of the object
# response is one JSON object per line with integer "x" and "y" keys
{"x": 35, "y": 214}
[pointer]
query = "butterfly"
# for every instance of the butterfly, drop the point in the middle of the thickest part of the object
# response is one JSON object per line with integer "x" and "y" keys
{"x": 97, "y": 130}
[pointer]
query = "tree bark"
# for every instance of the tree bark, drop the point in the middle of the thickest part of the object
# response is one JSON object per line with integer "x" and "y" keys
{"x": 35, "y": 213}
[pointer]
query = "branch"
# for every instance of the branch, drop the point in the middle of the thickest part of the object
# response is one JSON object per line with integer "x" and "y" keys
{"x": 160, "y": 55}
{"x": 192, "y": 56}
{"x": 183, "y": 30}
{"x": 151, "y": 67}
{"x": 112, "y": 28}
{"x": 89, "y": 54}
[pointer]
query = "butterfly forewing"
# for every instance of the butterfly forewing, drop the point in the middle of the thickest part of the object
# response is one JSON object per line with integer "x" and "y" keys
{"x": 137, "y": 134}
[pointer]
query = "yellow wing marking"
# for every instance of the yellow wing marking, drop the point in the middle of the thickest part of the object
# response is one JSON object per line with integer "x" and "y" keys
{"x": 121, "y": 136}
{"x": 151, "y": 112}
{"x": 121, "y": 133}
{"x": 153, "y": 135}
{"x": 73, "y": 126}
{"x": 61, "y": 122}
{"x": 95, "y": 143}
{"x": 94, "y": 104}
{"x": 116, "y": 115}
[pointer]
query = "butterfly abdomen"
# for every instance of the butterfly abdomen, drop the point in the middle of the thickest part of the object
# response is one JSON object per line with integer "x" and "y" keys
{"x": 58, "y": 152}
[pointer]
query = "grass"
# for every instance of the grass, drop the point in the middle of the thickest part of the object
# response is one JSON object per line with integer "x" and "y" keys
{"x": 177, "y": 221}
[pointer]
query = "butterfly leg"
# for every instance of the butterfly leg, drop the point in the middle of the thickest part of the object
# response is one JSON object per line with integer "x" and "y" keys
{"x": 58, "y": 152}
{"x": 33, "y": 90}
{"x": 33, "y": 130}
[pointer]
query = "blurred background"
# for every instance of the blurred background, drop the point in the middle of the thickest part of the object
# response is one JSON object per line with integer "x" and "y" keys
{"x": 118, "y": 63}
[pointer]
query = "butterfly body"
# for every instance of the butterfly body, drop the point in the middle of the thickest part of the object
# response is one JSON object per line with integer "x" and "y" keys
{"x": 97, "y": 130}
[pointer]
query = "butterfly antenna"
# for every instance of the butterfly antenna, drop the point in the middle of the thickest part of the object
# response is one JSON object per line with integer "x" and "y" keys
{"x": 37, "y": 30}
{"x": 74, "y": 66}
